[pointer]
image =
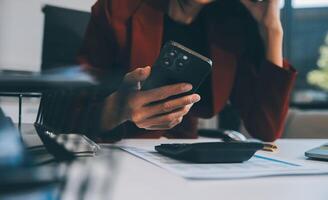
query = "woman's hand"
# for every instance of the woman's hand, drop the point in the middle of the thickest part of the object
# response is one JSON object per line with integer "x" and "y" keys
{"x": 267, "y": 15}
{"x": 147, "y": 108}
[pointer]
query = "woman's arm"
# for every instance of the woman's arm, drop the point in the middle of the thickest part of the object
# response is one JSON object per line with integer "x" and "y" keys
{"x": 146, "y": 109}
{"x": 263, "y": 81}
{"x": 267, "y": 15}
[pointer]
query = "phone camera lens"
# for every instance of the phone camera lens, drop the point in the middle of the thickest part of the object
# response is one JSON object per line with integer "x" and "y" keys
{"x": 173, "y": 53}
{"x": 185, "y": 58}
{"x": 167, "y": 62}
{"x": 182, "y": 61}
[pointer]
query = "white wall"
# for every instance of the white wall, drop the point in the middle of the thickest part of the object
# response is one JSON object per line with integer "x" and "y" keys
{"x": 21, "y": 35}
{"x": 21, "y": 31}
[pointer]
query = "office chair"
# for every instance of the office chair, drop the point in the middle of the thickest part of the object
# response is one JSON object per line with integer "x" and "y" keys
{"x": 64, "y": 31}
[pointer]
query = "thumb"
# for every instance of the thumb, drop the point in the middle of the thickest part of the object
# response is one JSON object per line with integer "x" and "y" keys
{"x": 133, "y": 78}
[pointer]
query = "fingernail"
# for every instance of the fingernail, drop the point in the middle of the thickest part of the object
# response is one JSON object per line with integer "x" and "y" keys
{"x": 144, "y": 70}
{"x": 196, "y": 98}
{"x": 187, "y": 87}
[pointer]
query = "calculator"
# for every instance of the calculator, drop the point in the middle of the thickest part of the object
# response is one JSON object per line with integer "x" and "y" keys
{"x": 211, "y": 152}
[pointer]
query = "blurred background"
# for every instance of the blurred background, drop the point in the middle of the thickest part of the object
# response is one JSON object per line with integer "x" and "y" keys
{"x": 40, "y": 34}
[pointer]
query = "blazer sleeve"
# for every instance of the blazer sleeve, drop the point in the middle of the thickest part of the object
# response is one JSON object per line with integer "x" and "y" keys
{"x": 97, "y": 55}
{"x": 99, "y": 46}
{"x": 262, "y": 90}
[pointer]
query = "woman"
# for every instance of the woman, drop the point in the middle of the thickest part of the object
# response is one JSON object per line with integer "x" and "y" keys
{"x": 244, "y": 40}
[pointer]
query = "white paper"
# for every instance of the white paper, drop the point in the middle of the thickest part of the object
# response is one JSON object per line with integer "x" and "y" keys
{"x": 258, "y": 166}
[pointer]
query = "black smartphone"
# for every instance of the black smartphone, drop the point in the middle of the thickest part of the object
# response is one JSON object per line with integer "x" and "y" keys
{"x": 178, "y": 64}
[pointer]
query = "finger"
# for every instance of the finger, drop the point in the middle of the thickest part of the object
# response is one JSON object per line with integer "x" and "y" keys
{"x": 164, "y": 92}
{"x": 136, "y": 76}
{"x": 169, "y": 106}
{"x": 167, "y": 119}
{"x": 165, "y": 126}
{"x": 161, "y": 128}
{"x": 144, "y": 116}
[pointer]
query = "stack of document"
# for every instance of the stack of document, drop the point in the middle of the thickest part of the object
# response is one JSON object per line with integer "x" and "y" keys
{"x": 258, "y": 166}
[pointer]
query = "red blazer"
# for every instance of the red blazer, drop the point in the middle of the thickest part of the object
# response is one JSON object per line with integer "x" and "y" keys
{"x": 126, "y": 34}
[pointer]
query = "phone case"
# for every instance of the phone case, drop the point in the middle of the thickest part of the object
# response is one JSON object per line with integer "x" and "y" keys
{"x": 178, "y": 64}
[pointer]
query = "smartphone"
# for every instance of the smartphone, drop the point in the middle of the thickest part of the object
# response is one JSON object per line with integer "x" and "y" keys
{"x": 178, "y": 64}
